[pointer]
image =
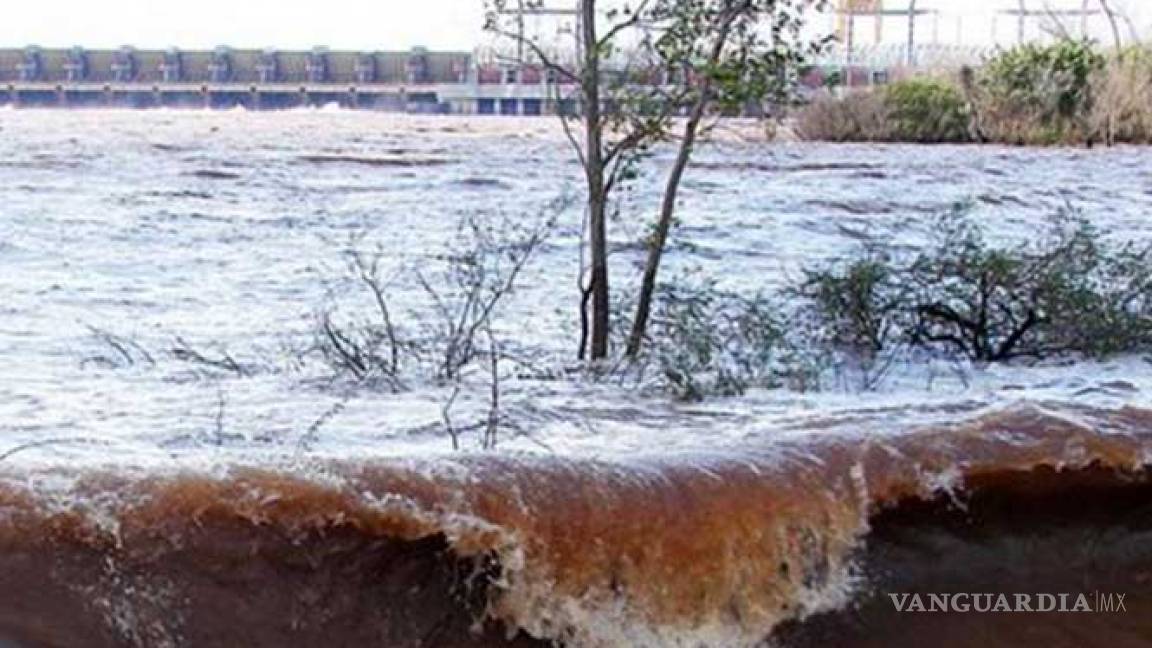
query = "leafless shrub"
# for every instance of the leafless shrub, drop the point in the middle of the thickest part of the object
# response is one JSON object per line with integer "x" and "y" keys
{"x": 494, "y": 419}
{"x": 367, "y": 347}
{"x": 218, "y": 358}
{"x": 446, "y": 416}
{"x": 121, "y": 352}
{"x": 312, "y": 434}
{"x": 116, "y": 351}
{"x": 45, "y": 443}
{"x": 477, "y": 274}
{"x": 463, "y": 289}
{"x": 450, "y": 337}
{"x": 1123, "y": 92}
{"x": 219, "y": 427}
{"x": 855, "y": 117}
{"x": 481, "y": 271}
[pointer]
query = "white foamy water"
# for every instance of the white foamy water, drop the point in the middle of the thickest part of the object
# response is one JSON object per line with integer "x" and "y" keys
{"x": 228, "y": 228}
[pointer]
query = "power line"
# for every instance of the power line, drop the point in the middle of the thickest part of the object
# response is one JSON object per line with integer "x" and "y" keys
{"x": 523, "y": 10}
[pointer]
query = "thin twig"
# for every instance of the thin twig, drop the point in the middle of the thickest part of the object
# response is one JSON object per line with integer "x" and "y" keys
{"x": 52, "y": 442}
{"x": 446, "y": 415}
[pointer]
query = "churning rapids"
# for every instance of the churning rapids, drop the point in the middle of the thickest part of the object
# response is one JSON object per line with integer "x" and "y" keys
{"x": 157, "y": 503}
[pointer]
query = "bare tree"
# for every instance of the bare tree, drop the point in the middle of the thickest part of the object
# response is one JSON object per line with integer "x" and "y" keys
{"x": 734, "y": 53}
{"x": 639, "y": 67}
{"x": 481, "y": 274}
{"x": 601, "y": 148}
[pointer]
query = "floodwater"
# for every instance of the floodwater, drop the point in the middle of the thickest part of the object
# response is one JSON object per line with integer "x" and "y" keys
{"x": 609, "y": 518}
{"x": 226, "y": 231}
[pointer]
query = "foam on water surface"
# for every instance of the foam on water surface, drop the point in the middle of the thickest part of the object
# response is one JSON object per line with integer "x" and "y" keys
{"x": 222, "y": 229}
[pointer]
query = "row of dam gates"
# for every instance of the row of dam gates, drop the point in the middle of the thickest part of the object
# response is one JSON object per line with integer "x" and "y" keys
{"x": 416, "y": 80}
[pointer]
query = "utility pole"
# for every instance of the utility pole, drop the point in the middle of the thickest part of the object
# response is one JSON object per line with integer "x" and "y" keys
{"x": 523, "y": 10}
{"x": 879, "y": 11}
{"x": 1020, "y": 23}
{"x": 520, "y": 28}
{"x": 849, "y": 9}
{"x": 849, "y": 44}
{"x": 911, "y": 58}
{"x": 1023, "y": 14}
{"x": 579, "y": 29}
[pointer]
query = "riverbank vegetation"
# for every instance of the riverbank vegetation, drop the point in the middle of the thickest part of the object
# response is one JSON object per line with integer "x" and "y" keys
{"x": 961, "y": 297}
{"x": 1067, "y": 292}
{"x": 924, "y": 110}
{"x": 1067, "y": 93}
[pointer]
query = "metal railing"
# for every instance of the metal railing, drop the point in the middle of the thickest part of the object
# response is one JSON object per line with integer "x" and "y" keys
{"x": 890, "y": 55}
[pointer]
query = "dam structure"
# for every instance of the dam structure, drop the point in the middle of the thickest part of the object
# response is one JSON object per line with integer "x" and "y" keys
{"x": 416, "y": 81}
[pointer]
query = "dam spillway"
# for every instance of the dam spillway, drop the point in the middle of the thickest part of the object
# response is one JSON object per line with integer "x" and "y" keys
{"x": 416, "y": 80}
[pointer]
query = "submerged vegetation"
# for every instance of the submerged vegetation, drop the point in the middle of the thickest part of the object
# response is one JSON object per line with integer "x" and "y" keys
{"x": 961, "y": 297}
{"x": 706, "y": 341}
{"x": 1068, "y": 92}
{"x": 1067, "y": 293}
{"x": 451, "y": 338}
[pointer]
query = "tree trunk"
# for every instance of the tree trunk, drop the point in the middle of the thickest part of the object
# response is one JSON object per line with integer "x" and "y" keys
{"x": 671, "y": 192}
{"x": 659, "y": 240}
{"x": 594, "y": 172}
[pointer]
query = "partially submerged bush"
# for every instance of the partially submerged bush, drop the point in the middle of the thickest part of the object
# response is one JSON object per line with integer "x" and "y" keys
{"x": 915, "y": 110}
{"x": 926, "y": 110}
{"x": 1068, "y": 293}
{"x": 463, "y": 289}
{"x": 451, "y": 338}
{"x": 857, "y": 307}
{"x": 1068, "y": 92}
{"x": 1039, "y": 94}
{"x": 371, "y": 346}
{"x": 1123, "y": 97}
{"x": 992, "y": 304}
{"x": 855, "y": 117}
{"x": 703, "y": 341}
{"x": 960, "y": 297}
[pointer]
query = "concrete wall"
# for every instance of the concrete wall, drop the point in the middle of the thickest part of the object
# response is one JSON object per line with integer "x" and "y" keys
{"x": 408, "y": 81}
{"x": 409, "y": 67}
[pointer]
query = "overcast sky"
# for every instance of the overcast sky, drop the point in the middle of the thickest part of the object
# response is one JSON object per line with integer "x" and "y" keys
{"x": 345, "y": 24}
{"x": 353, "y": 24}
